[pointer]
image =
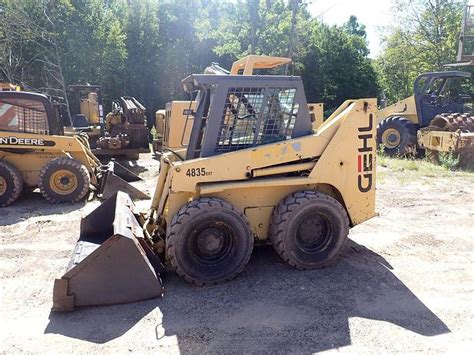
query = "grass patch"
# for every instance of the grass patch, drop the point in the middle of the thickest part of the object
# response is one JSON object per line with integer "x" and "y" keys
{"x": 411, "y": 169}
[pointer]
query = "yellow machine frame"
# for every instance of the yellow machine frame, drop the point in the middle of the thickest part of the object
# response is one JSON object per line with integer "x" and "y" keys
{"x": 405, "y": 108}
{"x": 337, "y": 171}
{"x": 32, "y": 140}
{"x": 9, "y": 87}
{"x": 31, "y": 163}
{"x": 251, "y": 62}
{"x": 246, "y": 191}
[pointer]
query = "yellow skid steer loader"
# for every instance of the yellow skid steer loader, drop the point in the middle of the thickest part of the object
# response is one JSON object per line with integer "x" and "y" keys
{"x": 254, "y": 170}
{"x": 34, "y": 152}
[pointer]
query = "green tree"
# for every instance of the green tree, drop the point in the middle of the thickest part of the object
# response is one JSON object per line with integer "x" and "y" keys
{"x": 424, "y": 39}
{"x": 336, "y": 66}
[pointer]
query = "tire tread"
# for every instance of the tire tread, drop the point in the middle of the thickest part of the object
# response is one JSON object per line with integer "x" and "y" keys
{"x": 282, "y": 213}
{"x": 17, "y": 182}
{"x": 44, "y": 185}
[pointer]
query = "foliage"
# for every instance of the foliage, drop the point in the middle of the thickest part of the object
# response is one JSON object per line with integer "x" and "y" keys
{"x": 144, "y": 48}
{"x": 336, "y": 66}
{"x": 448, "y": 160}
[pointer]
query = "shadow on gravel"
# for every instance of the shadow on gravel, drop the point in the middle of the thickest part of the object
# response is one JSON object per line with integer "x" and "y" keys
{"x": 269, "y": 308}
{"x": 32, "y": 204}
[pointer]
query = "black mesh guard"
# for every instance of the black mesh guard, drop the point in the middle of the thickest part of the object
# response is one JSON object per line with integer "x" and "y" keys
{"x": 255, "y": 116}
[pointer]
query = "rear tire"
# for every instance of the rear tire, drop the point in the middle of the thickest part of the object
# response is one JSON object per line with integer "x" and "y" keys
{"x": 398, "y": 136}
{"x": 11, "y": 184}
{"x": 209, "y": 242}
{"x": 64, "y": 180}
{"x": 309, "y": 229}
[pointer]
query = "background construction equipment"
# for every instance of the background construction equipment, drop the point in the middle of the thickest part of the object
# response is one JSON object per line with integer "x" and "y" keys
{"x": 438, "y": 118}
{"x": 34, "y": 152}
{"x": 254, "y": 170}
{"x": 123, "y": 131}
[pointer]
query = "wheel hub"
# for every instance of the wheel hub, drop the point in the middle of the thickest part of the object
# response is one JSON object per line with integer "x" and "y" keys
{"x": 391, "y": 138}
{"x": 3, "y": 185}
{"x": 313, "y": 234}
{"x": 63, "y": 182}
{"x": 211, "y": 243}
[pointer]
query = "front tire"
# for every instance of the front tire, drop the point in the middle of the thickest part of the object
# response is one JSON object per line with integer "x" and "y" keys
{"x": 209, "y": 242}
{"x": 398, "y": 136}
{"x": 309, "y": 229}
{"x": 64, "y": 180}
{"x": 11, "y": 184}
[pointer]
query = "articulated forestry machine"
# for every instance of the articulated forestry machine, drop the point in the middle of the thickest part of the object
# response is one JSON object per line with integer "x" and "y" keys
{"x": 34, "y": 152}
{"x": 439, "y": 117}
{"x": 173, "y": 124}
{"x": 254, "y": 171}
{"x": 123, "y": 131}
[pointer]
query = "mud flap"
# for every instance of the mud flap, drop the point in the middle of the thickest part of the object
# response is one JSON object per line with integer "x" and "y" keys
{"x": 111, "y": 263}
{"x": 116, "y": 177}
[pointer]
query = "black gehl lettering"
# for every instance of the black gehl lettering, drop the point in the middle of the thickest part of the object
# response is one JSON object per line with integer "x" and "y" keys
{"x": 367, "y": 166}
{"x": 368, "y": 178}
{"x": 365, "y": 142}
{"x": 365, "y": 178}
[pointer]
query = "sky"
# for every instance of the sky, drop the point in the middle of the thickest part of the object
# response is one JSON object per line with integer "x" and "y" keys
{"x": 372, "y": 13}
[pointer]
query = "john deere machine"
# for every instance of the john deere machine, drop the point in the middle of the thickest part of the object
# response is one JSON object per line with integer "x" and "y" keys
{"x": 254, "y": 171}
{"x": 121, "y": 133}
{"x": 438, "y": 118}
{"x": 34, "y": 152}
{"x": 173, "y": 124}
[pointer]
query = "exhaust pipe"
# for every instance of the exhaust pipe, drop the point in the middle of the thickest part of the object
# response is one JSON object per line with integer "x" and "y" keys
{"x": 111, "y": 263}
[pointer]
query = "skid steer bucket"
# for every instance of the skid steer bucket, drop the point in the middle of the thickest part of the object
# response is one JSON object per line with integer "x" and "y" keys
{"x": 111, "y": 263}
{"x": 116, "y": 177}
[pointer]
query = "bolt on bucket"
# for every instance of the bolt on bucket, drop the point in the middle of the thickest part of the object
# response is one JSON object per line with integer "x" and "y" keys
{"x": 115, "y": 178}
{"x": 111, "y": 263}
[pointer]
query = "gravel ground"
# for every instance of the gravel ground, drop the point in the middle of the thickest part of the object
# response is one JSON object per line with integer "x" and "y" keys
{"x": 404, "y": 284}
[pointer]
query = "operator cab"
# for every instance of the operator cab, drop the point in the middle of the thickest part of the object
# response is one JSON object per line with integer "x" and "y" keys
{"x": 28, "y": 112}
{"x": 443, "y": 92}
{"x": 236, "y": 112}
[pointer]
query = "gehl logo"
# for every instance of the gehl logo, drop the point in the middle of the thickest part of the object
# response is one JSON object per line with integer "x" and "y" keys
{"x": 365, "y": 157}
{"x": 25, "y": 141}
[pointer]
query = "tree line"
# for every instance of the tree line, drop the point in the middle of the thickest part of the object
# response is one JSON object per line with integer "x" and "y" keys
{"x": 143, "y": 48}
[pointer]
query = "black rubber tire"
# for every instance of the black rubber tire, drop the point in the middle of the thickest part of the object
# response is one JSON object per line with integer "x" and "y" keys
{"x": 64, "y": 163}
{"x": 192, "y": 222}
{"x": 309, "y": 207}
{"x": 407, "y": 131}
{"x": 14, "y": 183}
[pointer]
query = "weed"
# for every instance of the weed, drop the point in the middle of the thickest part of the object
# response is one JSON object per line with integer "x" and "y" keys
{"x": 449, "y": 161}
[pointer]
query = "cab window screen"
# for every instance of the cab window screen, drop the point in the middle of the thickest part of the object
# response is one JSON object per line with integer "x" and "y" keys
{"x": 20, "y": 115}
{"x": 255, "y": 116}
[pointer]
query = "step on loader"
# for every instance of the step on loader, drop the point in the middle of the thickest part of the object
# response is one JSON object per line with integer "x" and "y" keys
{"x": 254, "y": 171}
{"x": 35, "y": 153}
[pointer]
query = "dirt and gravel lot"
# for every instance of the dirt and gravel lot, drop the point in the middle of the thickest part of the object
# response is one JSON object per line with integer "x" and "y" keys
{"x": 405, "y": 284}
